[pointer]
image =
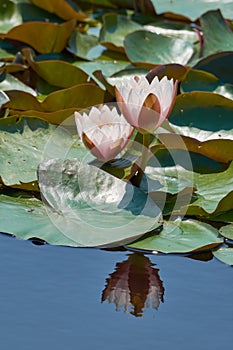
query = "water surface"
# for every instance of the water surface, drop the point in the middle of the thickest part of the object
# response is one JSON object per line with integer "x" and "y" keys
{"x": 63, "y": 298}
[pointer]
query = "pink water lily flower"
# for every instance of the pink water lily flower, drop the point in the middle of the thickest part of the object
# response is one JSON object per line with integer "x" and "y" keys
{"x": 146, "y": 105}
{"x": 104, "y": 131}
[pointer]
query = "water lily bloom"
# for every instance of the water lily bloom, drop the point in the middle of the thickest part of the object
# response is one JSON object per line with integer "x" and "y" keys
{"x": 146, "y": 105}
{"x": 104, "y": 131}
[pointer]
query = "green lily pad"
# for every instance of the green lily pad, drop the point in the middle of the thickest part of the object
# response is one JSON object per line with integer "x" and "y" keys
{"x": 22, "y": 145}
{"x": 96, "y": 208}
{"x": 193, "y": 9}
{"x": 180, "y": 237}
{"x": 225, "y": 255}
{"x": 10, "y": 15}
{"x": 218, "y": 64}
{"x": 197, "y": 80}
{"x": 114, "y": 30}
{"x": 227, "y": 231}
{"x": 212, "y": 192}
{"x": 215, "y": 111}
{"x": 3, "y": 98}
{"x": 157, "y": 48}
{"x": 12, "y": 83}
{"x": 212, "y": 189}
{"x": 225, "y": 217}
{"x": 219, "y": 39}
{"x": 85, "y": 46}
{"x": 167, "y": 179}
{"x": 29, "y": 219}
{"x": 173, "y": 30}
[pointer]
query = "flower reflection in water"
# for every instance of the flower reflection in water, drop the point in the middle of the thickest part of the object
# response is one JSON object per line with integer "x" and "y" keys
{"x": 134, "y": 285}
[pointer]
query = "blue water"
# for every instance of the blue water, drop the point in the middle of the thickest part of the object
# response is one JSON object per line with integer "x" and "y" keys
{"x": 50, "y": 298}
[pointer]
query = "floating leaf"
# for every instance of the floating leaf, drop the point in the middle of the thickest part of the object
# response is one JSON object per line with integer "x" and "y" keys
{"x": 114, "y": 30}
{"x": 3, "y": 98}
{"x": 85, "y": 46}
{"x": 213, "y": 188}
{"x": 212, "y": 192}
{"x": 59, "y": 73}
{"x": 193, "y": 112}
{"x": 175, "y": 71}
{"x": 96, "y": 208}
{"x": 192, "y": 9}
{"x": 173, "y": 30}
{"x": 64, "y": 102}
{"x": 12, "y": 83}
{"x": 225, "y": 255}
{"x": 10, "y": 15}
{"x": 61, "y": 8}
{"x": 22, "y": 145}
{"x": 180, "y": 237}
{"x": 146, "y": 47}
{"x": 200, "y": 81}
{"x": 218, "y": 64}
{"x": 227, "y": 231}
{"x": 29, "y": 219}
{"x": 219, "y": 150}
{"x": 219, "y": 39}
{"x": 80, "y": 96}
{"x": 53, "y": 37}
{"x": 167, "y": 180}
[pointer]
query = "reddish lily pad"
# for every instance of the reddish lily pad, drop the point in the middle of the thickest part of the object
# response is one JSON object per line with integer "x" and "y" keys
{"x": 61, "y": 8}
{"x": 53, "y": 37}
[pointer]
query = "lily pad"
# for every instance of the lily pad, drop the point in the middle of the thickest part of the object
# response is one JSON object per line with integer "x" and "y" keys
{"x": 156, "y": 48}
{"x": 61, "y": 8}
{"x": 56, "y": 105}
{"x": 22, "y": 145}
{"x": 114, "y": 30}
{"x": 198, "y": 80}
{"x": 212, "y": 192}
{"x": 218, "y": 64}
{"x": 213, "y": 188}
{"x": 53, "y": 37}
{"x": 57, "y": 72}
{"x": 219, "y": 39}
{"x": 225, "y": 255}
{"x": 227, "y": 231}
{"x": 12, "y": 83}
{"x": 96, "y": 208}
{"x": 218, "y": 150}
{"x": 180, "y": 237}
{"x": 193, "y": 111}
{"x": 3, "y": 98}
{"x": 85, "y": 46}
{"x": 29, "y": 219}
{"x": 174, "y": 30}
{"x": 10, "y": 15}
{"x": 193, "y": 9}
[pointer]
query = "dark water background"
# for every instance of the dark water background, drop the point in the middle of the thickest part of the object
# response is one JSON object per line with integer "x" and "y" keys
{"x": 50, "y": 298}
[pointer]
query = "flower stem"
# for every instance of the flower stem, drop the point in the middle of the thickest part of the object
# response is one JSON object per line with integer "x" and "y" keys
{"x": 143, "y": 161}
